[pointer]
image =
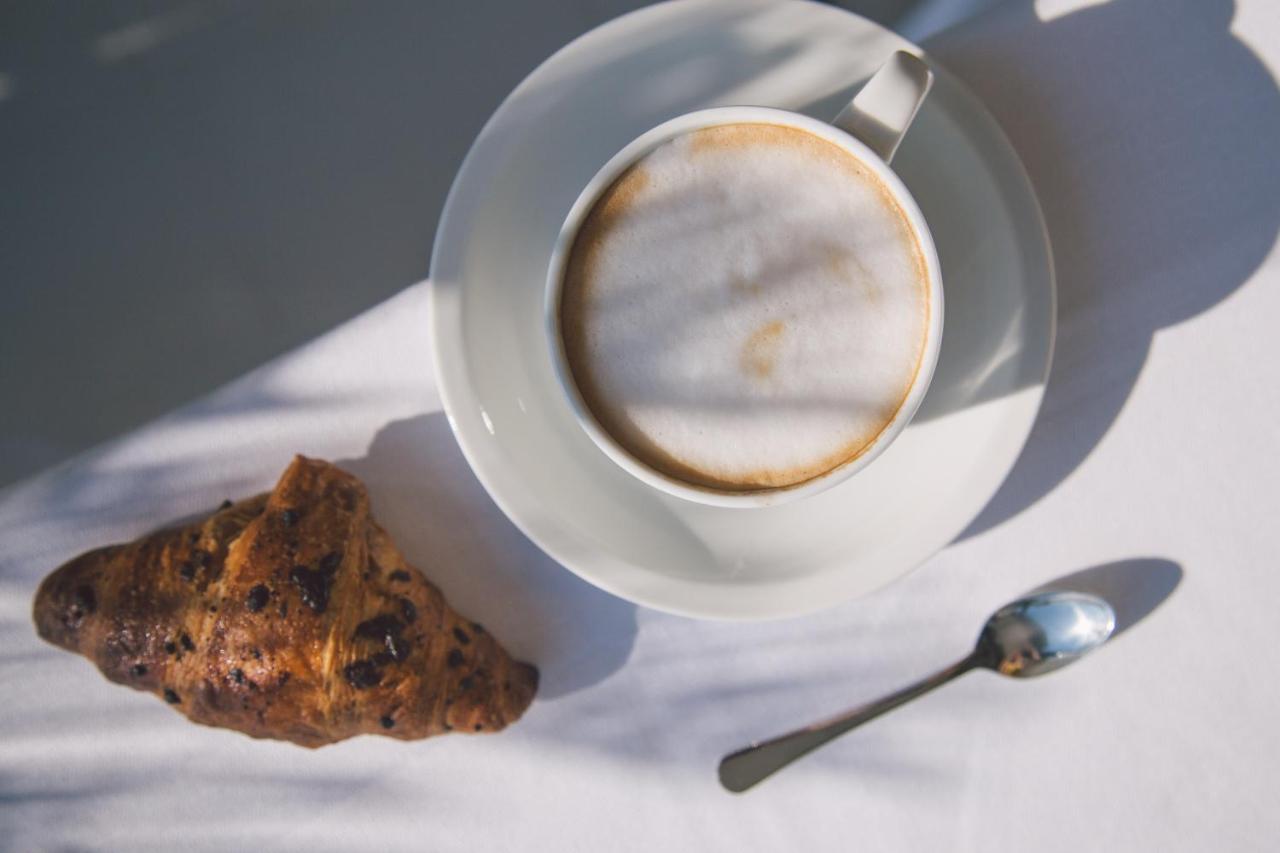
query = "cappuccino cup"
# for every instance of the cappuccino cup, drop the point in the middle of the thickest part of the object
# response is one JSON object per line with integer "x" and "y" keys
{"x": 744, "y": 306}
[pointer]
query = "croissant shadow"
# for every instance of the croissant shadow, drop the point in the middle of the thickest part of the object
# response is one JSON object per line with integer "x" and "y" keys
{"x": 426, "y": 497}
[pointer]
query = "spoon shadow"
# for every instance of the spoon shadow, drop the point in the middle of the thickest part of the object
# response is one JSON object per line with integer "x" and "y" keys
{"x": 1134, "y": 588}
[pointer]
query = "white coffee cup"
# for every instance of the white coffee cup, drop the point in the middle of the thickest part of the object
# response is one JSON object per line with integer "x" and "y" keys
{"x": 869, "y": 128}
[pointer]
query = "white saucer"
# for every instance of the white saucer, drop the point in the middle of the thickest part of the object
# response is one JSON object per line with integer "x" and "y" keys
{"x": 495, "y": 375}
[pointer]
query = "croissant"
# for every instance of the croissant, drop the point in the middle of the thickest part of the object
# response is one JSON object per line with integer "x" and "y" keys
{"x": 289, "y": 615}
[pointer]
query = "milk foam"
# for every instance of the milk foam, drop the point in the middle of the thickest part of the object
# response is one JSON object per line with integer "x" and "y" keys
{"x": 745, "y": 308}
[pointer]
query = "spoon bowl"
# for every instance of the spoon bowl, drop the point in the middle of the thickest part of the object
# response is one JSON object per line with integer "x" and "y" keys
{"x": 1041, "y": 633}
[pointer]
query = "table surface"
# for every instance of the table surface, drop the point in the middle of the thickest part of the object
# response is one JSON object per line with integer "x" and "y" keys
{"x": 1149, "y": 129}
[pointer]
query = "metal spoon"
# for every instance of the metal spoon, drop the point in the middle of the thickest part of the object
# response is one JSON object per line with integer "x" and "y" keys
{"x": 1030, "y": 636}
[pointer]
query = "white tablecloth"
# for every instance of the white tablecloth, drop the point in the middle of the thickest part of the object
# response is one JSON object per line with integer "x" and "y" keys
{"x": 1151, "y": 129}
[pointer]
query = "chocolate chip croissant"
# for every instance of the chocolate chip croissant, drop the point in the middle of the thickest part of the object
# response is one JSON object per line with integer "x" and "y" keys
{"x": 289, "y": 615}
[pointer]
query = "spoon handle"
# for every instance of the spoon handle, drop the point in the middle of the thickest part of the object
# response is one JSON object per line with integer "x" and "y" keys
{"x": 744, "y": 768}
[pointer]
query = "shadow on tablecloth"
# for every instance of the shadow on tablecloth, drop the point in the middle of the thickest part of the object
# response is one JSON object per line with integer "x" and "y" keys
{"x": 1133, "y": 588}
{"x": 441, "y": 518}
{"x": 1150, "y": 132}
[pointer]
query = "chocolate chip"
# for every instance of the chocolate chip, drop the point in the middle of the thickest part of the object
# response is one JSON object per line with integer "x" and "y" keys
{"x": 139, "y": 669}
{"x": 257, "y": 653}
{"x": 382, "y": 658}
{"x": 455, "y": 659}
{"x": 257, "y": 598}
{"x": 448, "y": 728}
{"x": 284, "y": 609}
{"x": 461, "y": 636}
{"x": 284, "y": 678}
{"x": 171, "y": 697}
{"x": 398, "y": 647}
{"x": 83, "y": 600}
{"x": 202, "y": 558}
{"x": 466, "y": 683}
{"x": 193, "y": 537}
{"x": 329, "y": 562}
{"x": 226, "y": 504}
{"x": 379, "y": 627}
{"x": 408, "y": 611}
{"x": 400, "y": 575}
{"x": 477, "y": 627}
{"x": 362, "y": 674}
{"x": 187, "y": 571}
{"x": 185, "y": 639}
{"x": 237, "y": 675}
{"x": 289, "y": 517}
{"x": 386, "y": 629}
{"x": 479, "y": 727}
{"x": 169, "y": 647}
{"x": 313, "y": 586}
{"x": 387, "y": 722}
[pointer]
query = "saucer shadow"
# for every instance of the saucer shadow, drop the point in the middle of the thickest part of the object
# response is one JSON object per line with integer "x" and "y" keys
{"x": 430, "y": 502}
{"x": 1151, "y": 223}
{"x": 1133, "y": 588}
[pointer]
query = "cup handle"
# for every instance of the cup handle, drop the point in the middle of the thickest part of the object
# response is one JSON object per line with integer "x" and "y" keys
{"x": 881, "y": 112}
